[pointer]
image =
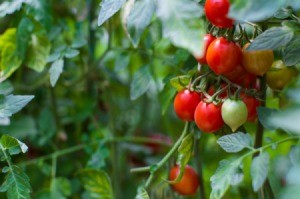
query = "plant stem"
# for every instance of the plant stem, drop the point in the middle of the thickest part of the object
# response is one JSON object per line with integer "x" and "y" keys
{"x": 199, "y": 167}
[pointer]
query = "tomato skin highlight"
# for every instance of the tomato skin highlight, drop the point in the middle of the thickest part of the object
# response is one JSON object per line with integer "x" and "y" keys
{"x": 185, "y": 104}
{"x": 207, "y": 39}
{"x": 189, "y": 182}
{"x": 279, "y": 75}
{"x": 257, "y": 62}
{"x": 252, "y": 104}
{"x": 223, "y": 56}
{"x": 234, "y": 113}
{"x": 208, "y": 117}
{"x": 216, "y": 12}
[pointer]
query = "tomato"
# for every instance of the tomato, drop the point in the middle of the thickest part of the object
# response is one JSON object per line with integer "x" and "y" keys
{"x": 208, "y": 38}
{"x": 223, "y": 56}
{"x": 185, "y": 104}
{"x": 257, "y": 62}
{"x": 189, "y": 182}
{"x": 279, "y": 75}
{"x": 240, "y": 76}
{"x": 217, "y": 13}
{"x": 251, "y": 103}
{"x": 234, "y": 113}
{"x": 156, "y": 148}
{"x": 208, "y": 117}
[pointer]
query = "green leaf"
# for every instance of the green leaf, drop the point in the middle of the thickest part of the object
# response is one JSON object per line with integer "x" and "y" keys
{"x": 291, "y": 53}
{"x": 13, "y": 103}
{"x": 295, "y": 155}
{"x": 272, "y": 38}
{"x": 140, "y": 83}
{"x": 283, "y": 13}
{"x": 180, "y": 82}
{"x": 254, "y": 10}
{"x": 98, "y": 158}
{"x": 185, "y": 150}
{"x": 224, "y": 177}
{"x": 182, "y": 24}
{"x": 122, "y": 61}
{"x": 70, "y": 53}
{"x": 6, "y": 88}
{"x": 9, "y": 7}
{"x": 259, "y": 170}
{"x": 55, "y": 71}
{"x": 97, "y": 183}
{"x": 139, "y": 18}
{"x": 265, "y": 115}
{"x": 166, "y": 96}
{"x": 60, "y": 188}
{"x": 8, "y": 37}
{"x": 10, "y": 143}
{"x": 235, "y": 142}
{"x": 9, "y": 61}
{"x": 108, "y": 9}
{"x": 38, "y": 52}
{"x": 16, "y": 183}
{"x": 142, "y": 193}
{"x": 24, "y": 31}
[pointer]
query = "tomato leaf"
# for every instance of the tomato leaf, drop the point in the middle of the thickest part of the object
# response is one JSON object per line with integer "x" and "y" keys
{"x": 13, "y": 103}
{"x": 254, "y": 10}
{"x": 6, "y": 88}
{"x": 8, "y": 7}
{"x": 142, "y": 193}
{"x": 235, "y": 142}
{"x": 180, "y": 82}
{"x": 141, "y": 82}
{"x": 139, "y": 18}
{"x": 185, "y": 150}
{"x": 176, "y": 24}
{"x": 259, "y": 170}
{"x": 272, "y": 38}
{"x": 55, "y": 71}
{"x": 166, "y": 96}
{"x": 96, "y": 182}
{"x": 291, "y": 53}
{"x": 108, "y": 9}
{"x": 224, "y": 177}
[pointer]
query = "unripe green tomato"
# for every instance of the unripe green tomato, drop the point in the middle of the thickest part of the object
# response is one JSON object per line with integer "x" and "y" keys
{"x": 279, "y": 75}
{"x": 234, "y": 113}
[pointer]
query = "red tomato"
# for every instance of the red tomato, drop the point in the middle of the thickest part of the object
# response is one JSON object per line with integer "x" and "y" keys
{"x": 217, "y": 13}
{"x": 185, "y": 104}
{"x": 240, "y": 76}
{"x": 251, "y": 104}
{"x": 208, "y": 117}
{"x": 208, "y": 38}
{"x": 223, "y": 56}
{"x": 189, "y": 182}
{"x": 156, "y": 148}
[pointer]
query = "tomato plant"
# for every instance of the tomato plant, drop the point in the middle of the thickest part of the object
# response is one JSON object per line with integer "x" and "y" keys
{"x": 223, "y": 56}
{"x": 189, "y": 182}
{"x": 185, "y": 104}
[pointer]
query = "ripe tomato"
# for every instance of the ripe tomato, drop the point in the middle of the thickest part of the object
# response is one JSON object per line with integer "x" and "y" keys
{"x": 240, "y": 76}
{"x": 279, "y": 75}
{"x": 223, "y": 56}
{"x": 156, "y": 148}
{"x": 251, "y": 104}
{"x": 208, "y": 117}
{"x": 189, "y": 182}
{"x": 185, "y": 104}
{"x": 216, "y": 12}
{"x": 208, "y": 38}
{"x": 257, "y": 62}
{"x": 234, "y": 113}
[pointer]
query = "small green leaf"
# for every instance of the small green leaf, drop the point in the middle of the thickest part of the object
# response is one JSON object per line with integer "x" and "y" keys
{"x": 176, "y": 24}
{"x": 180, "y": 82}
{"x": 142, "y": 193}
{"x": 38, "y": 52}
{"x": 10, "y": 143}
{"x": 13, "y": 103}
{"x": 140, "y": 83}
{"x": 259, "y": 170}
{"x": 254, "y": 10}
{"x": 235, "y": 142}
{"x": 6, "y": 88}
{"x": 224, "y": 177}
{"x": 9, "y": 7}
{"x": 139, "y": 18}
{"x": 283, "y": 13}
{"x": 272, "y": 38}
{"x": 108, "y": 9}
{"x": 291, "y": 53}
{"x": 166, "y": 96}
{"x": 60, "y": 188}
{"x": 70, "y": 53}
{"x": 185, "y": 150}
{"x": 96, "y": 182}
{"x": 55, "y": 71}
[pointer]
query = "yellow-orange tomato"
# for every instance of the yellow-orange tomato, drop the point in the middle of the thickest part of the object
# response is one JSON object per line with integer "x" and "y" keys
{"x": 279, "y": 75}
{"x": 257, "y": 62}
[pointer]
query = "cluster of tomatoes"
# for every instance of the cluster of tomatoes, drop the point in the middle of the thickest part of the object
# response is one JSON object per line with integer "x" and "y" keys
{"x": 232, "y": 97}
